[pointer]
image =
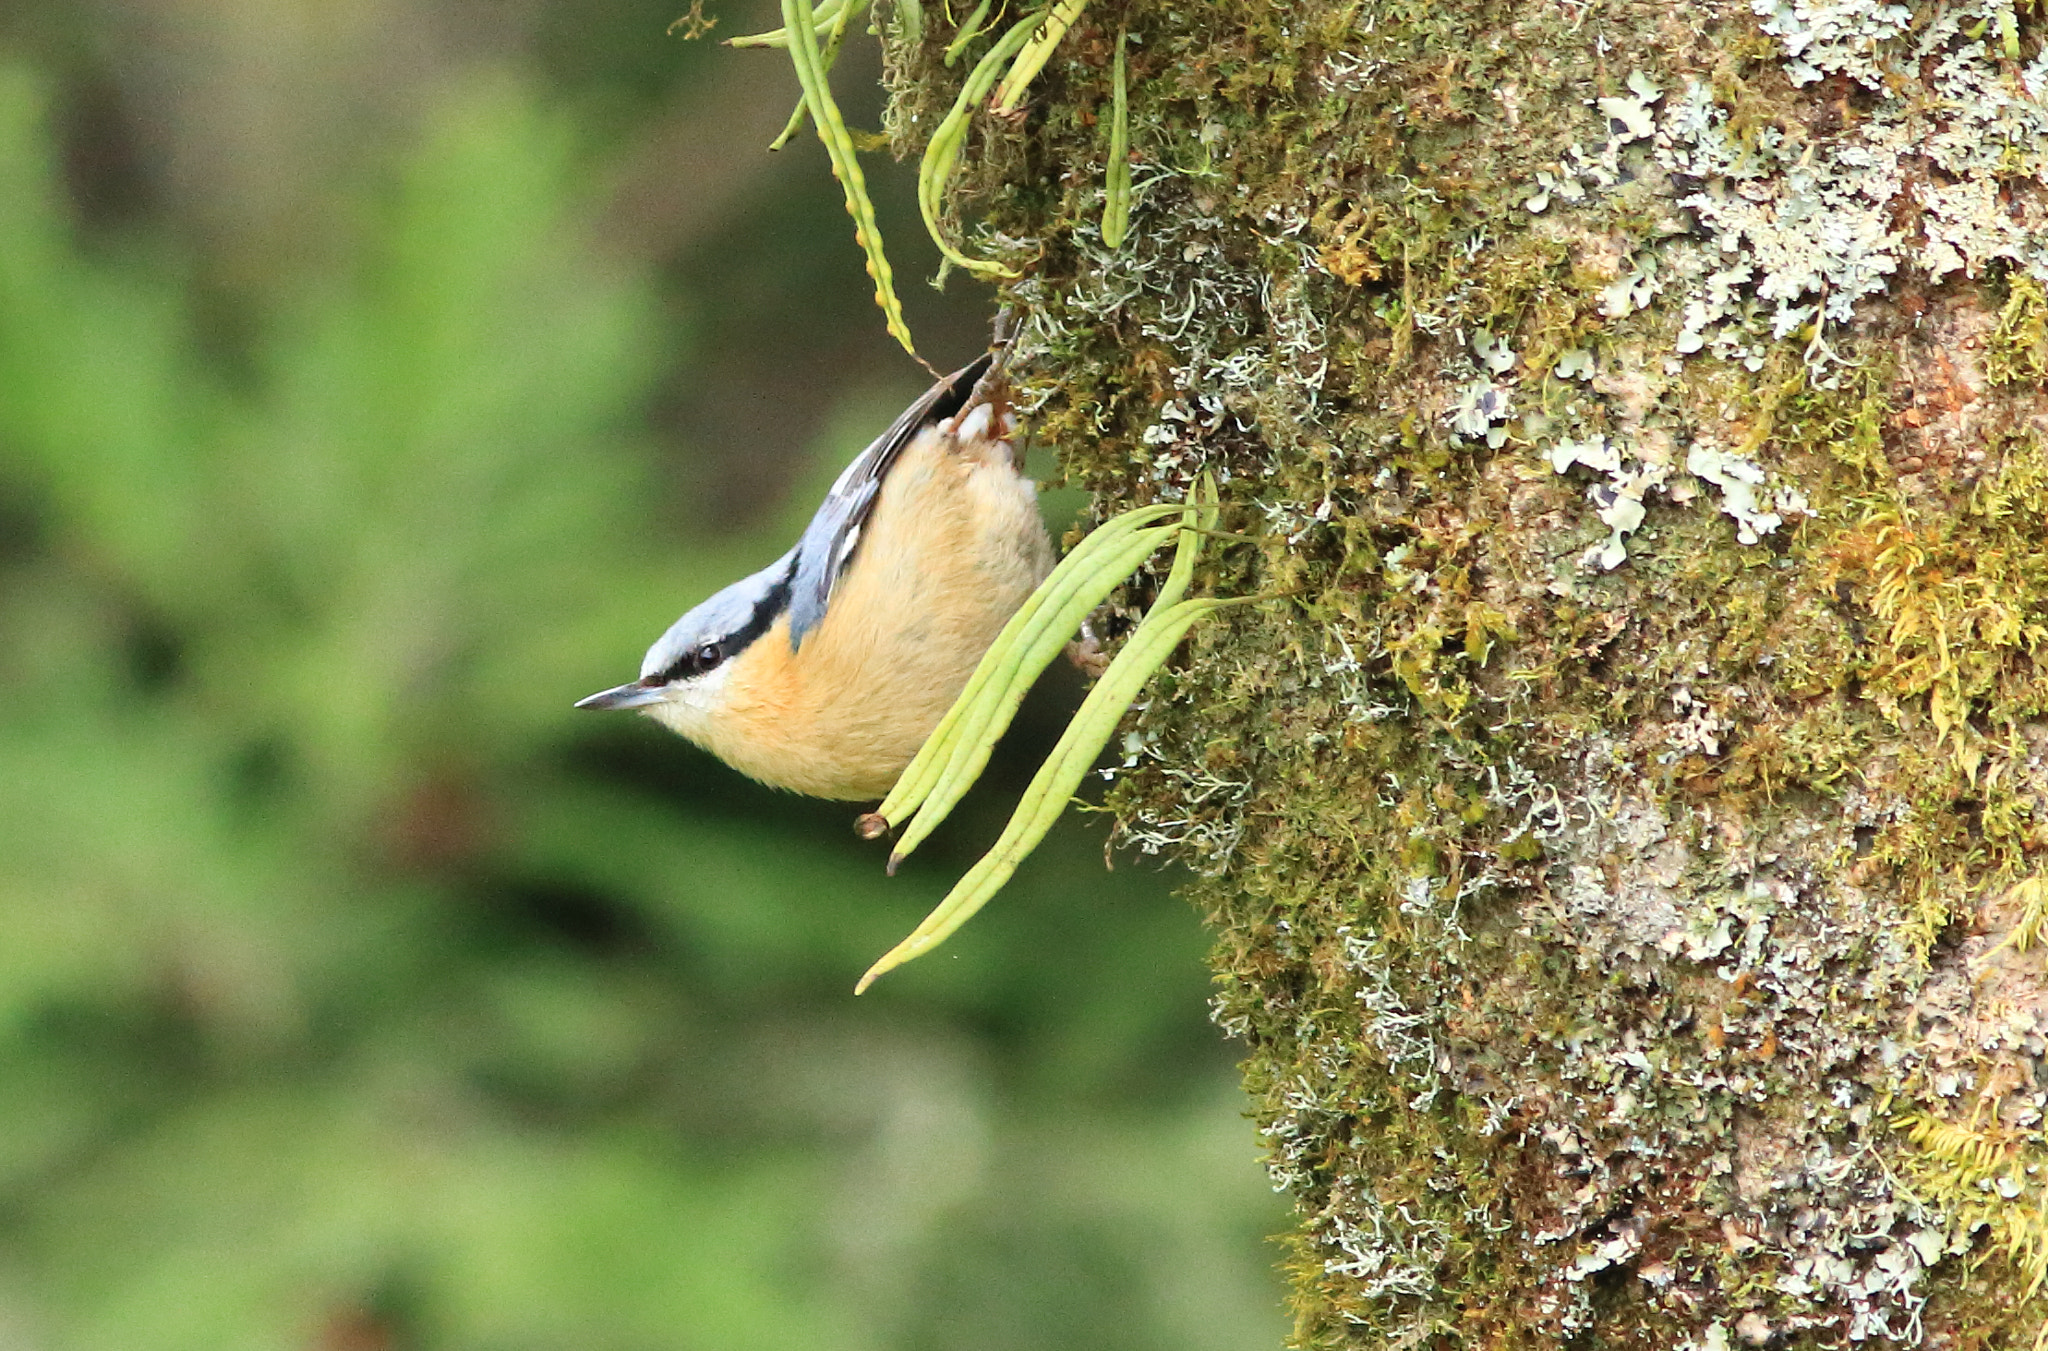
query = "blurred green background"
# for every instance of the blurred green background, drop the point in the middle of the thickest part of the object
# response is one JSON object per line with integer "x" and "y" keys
{"x": 375, "y": 380}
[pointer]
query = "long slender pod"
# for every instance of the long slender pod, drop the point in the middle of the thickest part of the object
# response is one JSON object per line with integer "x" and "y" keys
{"x": 1056, "y": 780}
{"x": 970, "y": 29}
{"x": 1197, "y": 521}
{"x": 1074, "y": 572}
{"x": 778, "y": 38}
{"x": 1008, "y": 670}
{"x": 791, "y": 127}
{"x": 1116, "y": 186}
{"x": 832, "y": 45}
{"x": 1098, "y": 565}
{"x": 910, "y": 21}
{"x": 950, "y": 136}
{"x": 985, "y": 724}
{"x": 1032, "y": 58}
{"x": 804, "y": 55}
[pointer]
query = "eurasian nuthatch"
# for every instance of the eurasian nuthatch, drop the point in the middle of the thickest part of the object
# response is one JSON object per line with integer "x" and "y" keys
{"x": 825, "y": 671}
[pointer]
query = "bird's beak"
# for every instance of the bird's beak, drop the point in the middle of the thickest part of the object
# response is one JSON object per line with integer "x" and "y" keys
{"x": 635, "y": 695}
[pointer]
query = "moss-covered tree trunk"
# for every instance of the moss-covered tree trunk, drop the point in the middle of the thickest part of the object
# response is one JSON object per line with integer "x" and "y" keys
{"x": 1618, "y": 838}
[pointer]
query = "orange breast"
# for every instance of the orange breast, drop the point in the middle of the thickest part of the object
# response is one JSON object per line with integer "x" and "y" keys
{"x": 953, "y": 547}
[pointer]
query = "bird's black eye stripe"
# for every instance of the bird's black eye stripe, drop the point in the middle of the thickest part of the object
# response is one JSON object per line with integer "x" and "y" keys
{"x": 699, "y": 659}
{"x": 709, "y": 656}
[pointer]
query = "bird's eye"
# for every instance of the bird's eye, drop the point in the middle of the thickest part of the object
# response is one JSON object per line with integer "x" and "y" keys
{"x": 708, "y": 656}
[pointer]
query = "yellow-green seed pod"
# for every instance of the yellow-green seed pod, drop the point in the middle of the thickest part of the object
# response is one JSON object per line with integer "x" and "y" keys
{"x": 1116, "y": 186}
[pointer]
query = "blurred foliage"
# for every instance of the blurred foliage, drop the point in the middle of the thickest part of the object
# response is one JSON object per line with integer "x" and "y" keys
{"x": 355, "y": 994}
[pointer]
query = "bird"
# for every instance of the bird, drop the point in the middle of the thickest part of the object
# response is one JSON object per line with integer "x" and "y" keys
{"x": 824, "y": 672}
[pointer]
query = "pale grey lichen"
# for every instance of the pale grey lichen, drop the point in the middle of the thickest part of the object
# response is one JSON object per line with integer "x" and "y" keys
{"x": 1386, "y": 1249}
{"x": 1746, "y": 496}
{"x": 1207, "y": 833}
{"x": 1847, "y": 38}
{"x": 1761, "y": 915}
{"x": 1618, "y": 501}
{"x": 1807, "y": 224}
{"x": 1941, "y": 167}
{"x": 1743, "y": 495}
{"x": 1804, "y": 224}
{"x": 1477, "y": 412}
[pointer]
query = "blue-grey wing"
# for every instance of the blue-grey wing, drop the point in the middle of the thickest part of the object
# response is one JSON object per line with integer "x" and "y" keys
{"x": 830, "y": 539}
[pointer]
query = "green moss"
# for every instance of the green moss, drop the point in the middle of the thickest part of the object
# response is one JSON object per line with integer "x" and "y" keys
{"x": 1569, "y": 916}
{"x": 2019, "y": 345}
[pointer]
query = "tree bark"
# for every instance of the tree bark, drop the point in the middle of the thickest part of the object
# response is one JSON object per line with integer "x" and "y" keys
{"x": 1619, "y": 835}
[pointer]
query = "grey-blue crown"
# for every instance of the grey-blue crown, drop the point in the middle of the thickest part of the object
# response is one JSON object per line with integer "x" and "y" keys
{"x": 722, "y": 627}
